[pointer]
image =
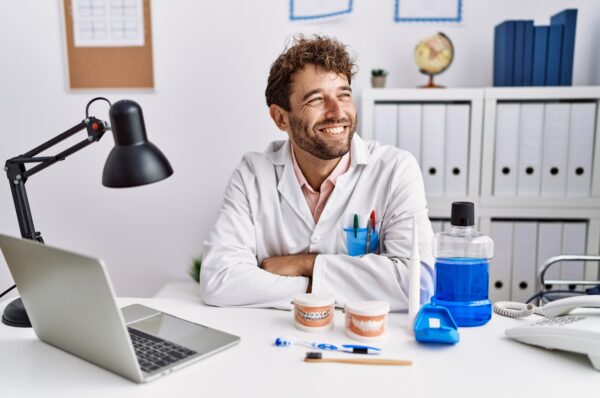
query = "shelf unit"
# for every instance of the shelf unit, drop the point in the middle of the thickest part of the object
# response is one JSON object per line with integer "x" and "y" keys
{"x": 439, "y": 207}
{"x": 481, "y": 155}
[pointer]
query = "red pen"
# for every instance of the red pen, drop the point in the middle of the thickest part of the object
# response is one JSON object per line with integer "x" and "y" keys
{"x": 373, "y": 218}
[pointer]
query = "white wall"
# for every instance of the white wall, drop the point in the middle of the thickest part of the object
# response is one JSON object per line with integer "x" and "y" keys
{"x": 211, "y": 62}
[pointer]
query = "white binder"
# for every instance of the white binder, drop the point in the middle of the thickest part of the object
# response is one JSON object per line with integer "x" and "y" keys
{"x": 436, "y": 225}
{"x": 457, "y": 149}
{"x": 549, "y": 245}
{"x": 386, "y": 123}
{"x": 524, "y": 261}
{"x": 531, "y": 131}
{"x": 500, "y": 266}
{"x": 507, "y": 149}
{"x": 434, "y": 125}
{"x": 574, "y": 242}
{"x": 554, "y": 157}
{"x": 409, "y": 129}
{"x": 581, "y": 146}
{"x": 446, "y": 226}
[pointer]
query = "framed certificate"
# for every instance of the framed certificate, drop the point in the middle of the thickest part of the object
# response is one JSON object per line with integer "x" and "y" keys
{"x": 428, "y": 11}
{"x": 318, "y": 9}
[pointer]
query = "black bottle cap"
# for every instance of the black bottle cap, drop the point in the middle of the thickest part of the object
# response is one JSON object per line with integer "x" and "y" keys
{"x": 463, "y": 214}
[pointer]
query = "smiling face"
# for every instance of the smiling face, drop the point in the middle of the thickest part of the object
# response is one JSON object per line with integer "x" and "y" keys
{"x": 322, "y": 116}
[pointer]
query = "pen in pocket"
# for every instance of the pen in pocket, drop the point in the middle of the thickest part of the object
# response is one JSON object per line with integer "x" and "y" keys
{"x": 373, "y": 223}
{"x": 369, "y": 231}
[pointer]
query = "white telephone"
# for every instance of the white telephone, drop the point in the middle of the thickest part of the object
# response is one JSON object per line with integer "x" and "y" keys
{"x": 579, "y": 332}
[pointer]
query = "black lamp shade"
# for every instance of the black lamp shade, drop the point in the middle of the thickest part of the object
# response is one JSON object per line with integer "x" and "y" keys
{"x": 134, "y": 160}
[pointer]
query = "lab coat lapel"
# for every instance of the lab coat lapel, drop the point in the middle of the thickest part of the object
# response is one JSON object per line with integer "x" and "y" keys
{"x": 346, "y": 183}
{"x": 288, "y": 185}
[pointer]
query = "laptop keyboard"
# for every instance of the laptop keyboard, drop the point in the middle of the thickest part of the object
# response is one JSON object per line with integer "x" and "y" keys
{"x": 154, "y": 353}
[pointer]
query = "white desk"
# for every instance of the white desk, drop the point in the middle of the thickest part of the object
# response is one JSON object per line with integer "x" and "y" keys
{"x": 483, "y": 364}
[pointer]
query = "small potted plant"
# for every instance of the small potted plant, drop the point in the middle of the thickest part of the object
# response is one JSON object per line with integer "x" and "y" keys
{"x": 378, "y": 77}
{"x": 194, "y": 270}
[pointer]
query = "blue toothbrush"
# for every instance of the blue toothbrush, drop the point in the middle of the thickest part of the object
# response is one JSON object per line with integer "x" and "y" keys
{"x": 352, "y": 348}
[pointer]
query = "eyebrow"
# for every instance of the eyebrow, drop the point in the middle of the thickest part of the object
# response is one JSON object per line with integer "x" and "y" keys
{"x": 318, "y": 90}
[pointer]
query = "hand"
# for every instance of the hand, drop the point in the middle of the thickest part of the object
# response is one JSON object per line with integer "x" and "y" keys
{"x": 292, "y": 265}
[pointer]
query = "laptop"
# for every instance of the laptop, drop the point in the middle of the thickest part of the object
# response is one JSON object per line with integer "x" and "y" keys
{"x": 71, "y": 305}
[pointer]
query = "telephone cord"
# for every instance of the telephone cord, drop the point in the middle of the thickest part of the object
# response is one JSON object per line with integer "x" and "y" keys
{"x": 514, "y": 309}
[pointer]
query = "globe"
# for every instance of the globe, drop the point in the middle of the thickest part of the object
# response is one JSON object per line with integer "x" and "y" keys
{"x": 433, "y": 55}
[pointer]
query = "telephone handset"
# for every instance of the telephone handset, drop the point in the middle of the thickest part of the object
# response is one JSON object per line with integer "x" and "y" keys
{"x": 566, "y": 305}
{"x": 578, "y": 332}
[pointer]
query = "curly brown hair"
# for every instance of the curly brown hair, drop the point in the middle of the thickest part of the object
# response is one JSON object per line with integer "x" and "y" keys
{"x": 322, "y": 51}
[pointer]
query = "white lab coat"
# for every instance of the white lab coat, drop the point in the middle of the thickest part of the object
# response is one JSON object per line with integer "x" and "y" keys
{"x": 265, "y": 214}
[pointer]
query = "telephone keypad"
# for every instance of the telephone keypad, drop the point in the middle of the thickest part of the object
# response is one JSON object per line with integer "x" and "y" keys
{"x": 559, "y": 321}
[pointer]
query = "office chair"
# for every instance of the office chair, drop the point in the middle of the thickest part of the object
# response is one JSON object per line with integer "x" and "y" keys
{"x": 548, "y": 292}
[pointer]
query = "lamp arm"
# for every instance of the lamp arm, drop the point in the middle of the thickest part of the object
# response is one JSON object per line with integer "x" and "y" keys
{"x": 17, "y": 173}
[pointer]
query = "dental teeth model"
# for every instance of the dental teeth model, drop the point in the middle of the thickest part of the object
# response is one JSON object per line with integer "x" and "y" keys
{"x": 366, "y": 320}
{"x": 313, "y": 312}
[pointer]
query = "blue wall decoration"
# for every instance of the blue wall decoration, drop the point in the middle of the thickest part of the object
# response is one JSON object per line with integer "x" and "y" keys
{"x": 455, "y": 17}
{"x": 299, "y": 9}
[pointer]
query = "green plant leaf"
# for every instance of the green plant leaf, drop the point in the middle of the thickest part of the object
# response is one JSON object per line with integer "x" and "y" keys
{"x": 194, "y": 270}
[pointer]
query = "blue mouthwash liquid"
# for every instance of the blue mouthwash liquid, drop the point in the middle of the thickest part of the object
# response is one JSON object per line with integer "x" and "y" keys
{"x": 462, "y": 287}
{"x": 462, "y": 268}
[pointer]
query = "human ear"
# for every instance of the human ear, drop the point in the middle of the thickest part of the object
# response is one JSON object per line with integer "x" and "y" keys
{"x": 280, "y": 117}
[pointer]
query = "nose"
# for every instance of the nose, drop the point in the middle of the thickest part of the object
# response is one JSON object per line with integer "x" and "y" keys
{"x": 333, "y": 109}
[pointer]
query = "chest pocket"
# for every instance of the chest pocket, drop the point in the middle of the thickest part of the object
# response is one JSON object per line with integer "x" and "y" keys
{"x": 354, "y": 242}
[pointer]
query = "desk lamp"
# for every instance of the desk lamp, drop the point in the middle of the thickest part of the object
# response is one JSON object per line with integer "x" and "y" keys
{"x": 133, "y": 161}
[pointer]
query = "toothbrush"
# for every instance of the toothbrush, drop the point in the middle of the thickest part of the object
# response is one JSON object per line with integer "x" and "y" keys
{"x": 414, "y": 279}
{"x": 352, "y": 348}
{"x": 318, "y": 357}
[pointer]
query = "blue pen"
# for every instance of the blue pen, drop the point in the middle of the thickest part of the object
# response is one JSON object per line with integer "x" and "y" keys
{"x": 352, "y": 348}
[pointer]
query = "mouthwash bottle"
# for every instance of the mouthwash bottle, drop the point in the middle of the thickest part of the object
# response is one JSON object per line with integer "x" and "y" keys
{"x": 462, "y": 268}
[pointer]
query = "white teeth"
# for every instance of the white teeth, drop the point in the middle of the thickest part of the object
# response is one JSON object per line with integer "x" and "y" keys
{"x": 367, "y": 326}
{"x": 334, "y": 130}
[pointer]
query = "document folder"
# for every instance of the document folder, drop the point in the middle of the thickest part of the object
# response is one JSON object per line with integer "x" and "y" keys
{"x": 531, "y": 130}
{"x": 507, "y": 149}
{"x": 434, "y": 125}
{"x": 409, "y": 129}
{"x": 554, "y": 157}
{"x": 457, "y": 149}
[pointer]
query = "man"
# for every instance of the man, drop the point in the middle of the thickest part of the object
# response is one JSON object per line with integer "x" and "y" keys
{"x": 287, "y": 221}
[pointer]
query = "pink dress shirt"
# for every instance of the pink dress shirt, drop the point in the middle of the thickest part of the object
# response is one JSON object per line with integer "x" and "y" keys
{"x": 317, "y": 200}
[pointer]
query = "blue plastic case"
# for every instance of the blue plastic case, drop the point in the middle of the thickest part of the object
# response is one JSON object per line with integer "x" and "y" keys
{"x": 357, "y": 245}
{"x": 434, "y": 324}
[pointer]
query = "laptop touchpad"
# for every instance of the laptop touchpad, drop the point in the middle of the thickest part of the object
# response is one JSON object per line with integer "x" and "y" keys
{"x": 191, "y": 335}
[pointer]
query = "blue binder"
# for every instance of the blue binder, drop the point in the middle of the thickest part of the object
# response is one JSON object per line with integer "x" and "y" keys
{"x": 540, "y": 53}
{"x": 528, "y": 54}
{"x": 554, "y": 57}
{"x": 568, "y": 19}
{"x": 519, "y": 53}
{"x": 504, "y": 44}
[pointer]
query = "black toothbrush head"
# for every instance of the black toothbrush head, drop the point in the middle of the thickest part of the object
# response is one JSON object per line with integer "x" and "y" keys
{"x": 313, "y": 355}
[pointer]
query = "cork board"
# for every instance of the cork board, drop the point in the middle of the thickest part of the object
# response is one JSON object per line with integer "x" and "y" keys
{"x": 109, "y": 67}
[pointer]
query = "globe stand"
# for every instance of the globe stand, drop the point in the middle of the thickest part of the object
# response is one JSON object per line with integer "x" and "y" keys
{"x": 431, "y": 84}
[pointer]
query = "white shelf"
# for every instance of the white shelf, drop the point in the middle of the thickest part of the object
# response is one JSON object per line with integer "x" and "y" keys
{"x": 542, "y": 93}
{"x": 483, "y": 103}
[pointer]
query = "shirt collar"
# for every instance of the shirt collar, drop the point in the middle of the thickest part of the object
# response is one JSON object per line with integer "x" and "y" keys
{"x": 280, "y": 154}
{"x": 342, "y": 166}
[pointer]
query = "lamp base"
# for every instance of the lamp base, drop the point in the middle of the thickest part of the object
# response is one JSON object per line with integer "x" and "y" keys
{"x": 15, "y": 315}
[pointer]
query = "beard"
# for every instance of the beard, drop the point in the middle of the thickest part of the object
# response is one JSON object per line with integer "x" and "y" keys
{"x": 308, "y": 138}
